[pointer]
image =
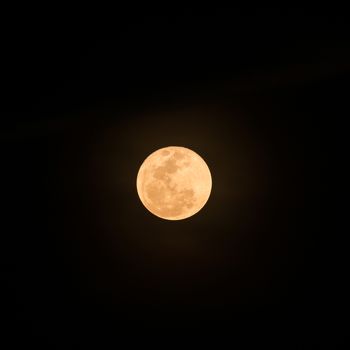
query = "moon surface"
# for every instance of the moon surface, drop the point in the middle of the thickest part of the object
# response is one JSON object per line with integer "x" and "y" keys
{"x": 174, "y": 183}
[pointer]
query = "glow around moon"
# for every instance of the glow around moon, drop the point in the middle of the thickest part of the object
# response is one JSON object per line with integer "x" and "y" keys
{"x": 174, "y": 183}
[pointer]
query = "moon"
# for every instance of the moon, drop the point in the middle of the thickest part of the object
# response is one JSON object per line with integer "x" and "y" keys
{"x": 174, "y": 183}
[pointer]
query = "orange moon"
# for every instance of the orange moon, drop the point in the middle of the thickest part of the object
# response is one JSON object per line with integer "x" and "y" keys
{"x": 174, "y": 183}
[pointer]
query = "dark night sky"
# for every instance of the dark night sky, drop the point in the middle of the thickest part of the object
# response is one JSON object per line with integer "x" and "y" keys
{"x": 257, "y": 94}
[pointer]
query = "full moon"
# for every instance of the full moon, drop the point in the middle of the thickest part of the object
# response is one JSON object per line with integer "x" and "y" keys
{"x": 174, "y": 183}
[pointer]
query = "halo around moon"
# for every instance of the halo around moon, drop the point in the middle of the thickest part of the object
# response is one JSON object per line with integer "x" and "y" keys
{"x": 174, "y": 183}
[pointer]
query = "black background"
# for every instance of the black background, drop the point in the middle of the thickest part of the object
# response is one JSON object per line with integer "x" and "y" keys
{"x": 256, "y": 93}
